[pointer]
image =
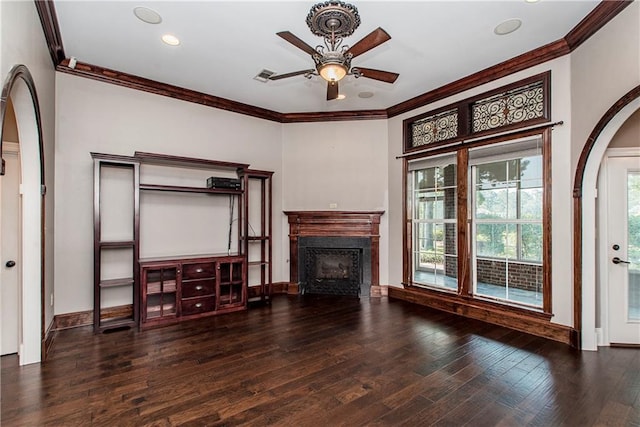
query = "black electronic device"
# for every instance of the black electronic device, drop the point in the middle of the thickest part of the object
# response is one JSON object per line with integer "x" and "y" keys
{"x": 223, "y": 183}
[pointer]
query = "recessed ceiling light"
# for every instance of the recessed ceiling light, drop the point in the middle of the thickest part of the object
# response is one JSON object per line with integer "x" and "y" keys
{"x": 171, "y": 40}
{"x": 532, "y": 1}
{"x": 507, "y": 27}
{"x": 365, "y": 95}
{"x": 341, "y": 96}
{"x": 147, "y": 15}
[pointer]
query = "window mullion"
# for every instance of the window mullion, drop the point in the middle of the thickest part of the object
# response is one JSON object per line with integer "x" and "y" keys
{"x": 464, "y": 279}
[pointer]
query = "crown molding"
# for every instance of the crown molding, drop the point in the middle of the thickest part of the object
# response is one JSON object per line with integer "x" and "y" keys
{"x": 522, "y": 62}
{"x": 131, "y": 81}
{"x": 596, "y": 19}
{"x": 599, "y": 16}
{"x": 334, "y": 116}
{"x": 49, "y": 21}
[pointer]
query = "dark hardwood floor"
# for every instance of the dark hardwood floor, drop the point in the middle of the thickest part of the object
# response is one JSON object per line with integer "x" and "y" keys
{"x": 322, "y": 361}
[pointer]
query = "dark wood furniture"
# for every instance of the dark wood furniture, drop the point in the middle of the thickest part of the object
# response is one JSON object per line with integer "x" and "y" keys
{"x": 333, "y": 223}
{"x": 177, "y": 287}
{"x": 128, "y": 246}
{"x": 186, "y": 288}
{"x": 257, "y": 232}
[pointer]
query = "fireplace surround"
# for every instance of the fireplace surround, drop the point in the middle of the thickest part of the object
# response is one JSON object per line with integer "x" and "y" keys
{"x": 334, "y": 252}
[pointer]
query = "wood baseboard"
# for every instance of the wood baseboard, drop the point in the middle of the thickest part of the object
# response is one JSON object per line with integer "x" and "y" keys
{"x": 85, "y": 318}
{"x": 532, "y": 323}
{"x": 293, "y": 289}
{"x": 49, "y": 337}
{"x": 379, "y": 291}
{"x": 280, "y": 287}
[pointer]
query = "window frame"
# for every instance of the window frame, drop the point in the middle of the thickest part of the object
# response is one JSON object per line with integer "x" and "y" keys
{"x": 464, "y": 226}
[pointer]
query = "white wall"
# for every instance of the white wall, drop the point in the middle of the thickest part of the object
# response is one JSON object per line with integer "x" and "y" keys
{"x": 337, "y": 163}
{"x": 98, "y": 117}
{"x": 22, "y": 42}
{"x": 561, "y": 267}
{"x": 603, "y": 69}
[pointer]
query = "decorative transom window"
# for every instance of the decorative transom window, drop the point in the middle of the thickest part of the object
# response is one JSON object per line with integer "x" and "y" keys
{"x": 520, "y": 104}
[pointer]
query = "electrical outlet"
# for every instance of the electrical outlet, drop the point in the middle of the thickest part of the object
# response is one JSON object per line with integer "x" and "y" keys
{"x": 333, "y": 205}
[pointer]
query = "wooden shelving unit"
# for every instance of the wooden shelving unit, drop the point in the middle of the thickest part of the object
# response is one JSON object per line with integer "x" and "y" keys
{"x": 257, "y": 241}
{"x": 101, "y": 246}
{"x": 175, "y": 288}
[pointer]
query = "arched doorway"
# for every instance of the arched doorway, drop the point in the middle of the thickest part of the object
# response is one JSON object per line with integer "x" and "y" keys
{"x": 584, "y": 193}
{"x": 19, "y": 85}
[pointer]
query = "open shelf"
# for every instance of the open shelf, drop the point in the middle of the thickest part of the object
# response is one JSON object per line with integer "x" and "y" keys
{"x": 181, "y": 189}
{"x": 117, "y": 244}
{"x": 188, "y": 162}
{"x": 114, "y": 283}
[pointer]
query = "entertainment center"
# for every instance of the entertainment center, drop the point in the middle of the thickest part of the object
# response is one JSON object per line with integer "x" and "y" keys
{"x": 182, "y": 282}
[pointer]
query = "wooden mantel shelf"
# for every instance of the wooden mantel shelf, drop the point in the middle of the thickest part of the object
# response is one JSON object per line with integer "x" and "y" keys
{"x": 334, "y": 223}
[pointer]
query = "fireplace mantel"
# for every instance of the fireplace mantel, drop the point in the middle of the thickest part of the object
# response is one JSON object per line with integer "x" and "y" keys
{"x": 333, "y": 224}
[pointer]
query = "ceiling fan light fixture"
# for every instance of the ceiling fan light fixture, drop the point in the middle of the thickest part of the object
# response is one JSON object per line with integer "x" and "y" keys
{"x": 332, "y": 72}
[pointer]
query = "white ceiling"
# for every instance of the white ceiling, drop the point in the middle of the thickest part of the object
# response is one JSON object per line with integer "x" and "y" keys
{"x": 224, "y": 44}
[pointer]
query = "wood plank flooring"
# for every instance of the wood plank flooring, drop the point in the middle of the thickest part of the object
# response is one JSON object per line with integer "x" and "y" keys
{"x": 322, "y": 361}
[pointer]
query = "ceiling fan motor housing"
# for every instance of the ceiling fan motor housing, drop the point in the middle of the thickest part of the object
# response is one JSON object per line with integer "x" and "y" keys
{"x": 333, "y": 18}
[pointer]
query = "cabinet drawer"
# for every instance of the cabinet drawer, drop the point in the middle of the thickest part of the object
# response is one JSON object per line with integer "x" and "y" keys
{"x": 198, "y": 288}
{"x": 197, "y": 305}
{"x": 198, "y": 270}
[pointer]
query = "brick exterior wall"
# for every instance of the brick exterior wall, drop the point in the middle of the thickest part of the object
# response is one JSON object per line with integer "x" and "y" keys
{"x": 450, "y": 240}
{"x": 521, "y": 276}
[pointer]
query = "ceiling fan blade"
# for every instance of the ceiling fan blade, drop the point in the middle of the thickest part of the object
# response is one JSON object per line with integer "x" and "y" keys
{"x": 373, "y": 39}
{"x": 292, "y": 74}
{"x": 383, "y": 76}
{"x": 332, "y": 90}
{"x": 294, "y": 40}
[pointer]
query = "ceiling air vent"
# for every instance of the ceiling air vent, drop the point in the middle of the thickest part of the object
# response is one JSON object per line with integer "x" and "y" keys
{"x": 263, "y": 76}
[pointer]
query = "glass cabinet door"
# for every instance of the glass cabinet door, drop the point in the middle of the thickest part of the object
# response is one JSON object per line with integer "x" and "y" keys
{"x": 161, "y": 291}
{"x": 231, "y": 284}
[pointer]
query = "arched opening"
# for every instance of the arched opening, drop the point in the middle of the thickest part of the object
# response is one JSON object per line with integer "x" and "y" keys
{"x": 584, "y": 193}
{"x": 20, "y": 87}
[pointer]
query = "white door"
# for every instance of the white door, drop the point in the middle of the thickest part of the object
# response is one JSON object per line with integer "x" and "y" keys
{"x": 623, "y": 226}
{"x": 10, "y": 250}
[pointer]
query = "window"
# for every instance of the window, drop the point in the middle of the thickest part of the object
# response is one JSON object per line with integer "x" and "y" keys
{"x": 507, "y": 191}
{"x": 506, "y": 218}
{"x": 434, "y": 193}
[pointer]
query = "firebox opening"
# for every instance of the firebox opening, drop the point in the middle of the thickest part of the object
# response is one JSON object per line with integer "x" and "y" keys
{"x": 333, "y": 271}
{"x": 335, "y": 266}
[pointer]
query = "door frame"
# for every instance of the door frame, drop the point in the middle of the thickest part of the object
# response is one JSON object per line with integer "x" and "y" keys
{"x": 584, "y": 218}
{"x": 603, "y": 338}
{"x": 20, "y": 87}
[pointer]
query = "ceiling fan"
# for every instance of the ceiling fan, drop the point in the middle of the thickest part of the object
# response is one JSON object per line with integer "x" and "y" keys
{"x": 335, "y": 20}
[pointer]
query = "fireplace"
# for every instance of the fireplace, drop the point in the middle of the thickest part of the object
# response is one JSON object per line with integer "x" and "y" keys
{"x": 334, "y": 253}
{"x": 334, "y": 265}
